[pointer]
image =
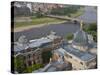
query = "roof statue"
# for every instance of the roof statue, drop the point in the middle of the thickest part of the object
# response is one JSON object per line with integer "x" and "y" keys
{"x": 81, "y": 24}
{"x": 80, "y": 37}
{"x": 22, "y": 39}
{"x": 50, "y": 60}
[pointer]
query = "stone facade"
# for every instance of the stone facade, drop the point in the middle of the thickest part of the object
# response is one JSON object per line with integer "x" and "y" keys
{"x": 34, "y": 55}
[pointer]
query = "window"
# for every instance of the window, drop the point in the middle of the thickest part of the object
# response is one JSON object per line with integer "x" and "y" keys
{"x": 70, "y": 56}
{"x": 66, "y": 55}
{"x": 81, "y": 63}
{"x": 29, "y": 56}
{"x": 34, "y": 62}
{"x": 29, "y": 63}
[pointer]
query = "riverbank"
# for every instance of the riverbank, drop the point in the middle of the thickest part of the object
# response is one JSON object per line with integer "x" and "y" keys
{"x": 34, "y": 21}
{"x": 86, "y": 17}
{"x": 18, "y": 29}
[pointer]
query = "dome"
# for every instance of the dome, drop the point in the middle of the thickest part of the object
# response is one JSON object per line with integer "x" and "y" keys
{"x": 80, "y": 38}
{"x": 22, "y": 39}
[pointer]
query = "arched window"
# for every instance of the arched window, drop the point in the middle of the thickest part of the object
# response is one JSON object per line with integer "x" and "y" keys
{"x": 29, "y": 56}
{"x": 81, "y": 63}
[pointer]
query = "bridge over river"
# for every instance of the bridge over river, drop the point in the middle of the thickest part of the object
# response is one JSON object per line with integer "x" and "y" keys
{"x": 74, "y": 20}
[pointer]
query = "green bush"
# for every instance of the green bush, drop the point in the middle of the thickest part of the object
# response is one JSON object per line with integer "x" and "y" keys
{"x": 70, "y": 36}
{"x": 91, "y": 29}
{"x": 46, "y": 56}
{"x": 65, "y": 10}
{"x": 19, "y": 64}
{"x": 33, "y": 67}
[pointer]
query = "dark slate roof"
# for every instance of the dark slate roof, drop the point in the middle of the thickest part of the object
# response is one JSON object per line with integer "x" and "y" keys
{"x": 80, "y": 38}
{"x": 18, "y": 48}
{"x": 85, "y": 56}
{"x": 58, "y": 66}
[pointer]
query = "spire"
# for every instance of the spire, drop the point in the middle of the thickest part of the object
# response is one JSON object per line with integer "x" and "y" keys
{"x": 81, "y": 24}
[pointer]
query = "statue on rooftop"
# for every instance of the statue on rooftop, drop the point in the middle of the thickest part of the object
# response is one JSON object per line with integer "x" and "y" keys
{"x": 81, "y": 24}
{"x": 23, "y": 40}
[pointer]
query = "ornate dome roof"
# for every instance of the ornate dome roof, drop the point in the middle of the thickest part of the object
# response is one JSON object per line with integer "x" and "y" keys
{"x": 80, "y": 38}
{"x": 23, "y": 40}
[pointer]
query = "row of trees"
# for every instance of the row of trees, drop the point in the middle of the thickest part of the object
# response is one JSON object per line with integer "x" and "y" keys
{"x": 57, "y": 11}
{"x": 91, "y": 29}
{"x": 25, "y": 11}
{"x": 65, "y": 10}
{"x": 20, "y": 65}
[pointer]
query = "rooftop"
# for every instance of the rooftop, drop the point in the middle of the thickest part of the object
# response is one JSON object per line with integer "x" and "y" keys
{"x": 20, "y": 47}
{"x": 85, "y": 56}
{"x": 80, "y": 38}
{"x": 32, "y": 44}
{"x": 39, "y": 42}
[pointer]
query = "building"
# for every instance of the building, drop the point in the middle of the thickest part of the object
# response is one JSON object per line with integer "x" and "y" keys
{"x": 45, "y": 8}
{"x": 81, "y": 54}
{"x": 57, "y": 63}
{"x": 21, "y": 8}
{"x": 32, "y": 49}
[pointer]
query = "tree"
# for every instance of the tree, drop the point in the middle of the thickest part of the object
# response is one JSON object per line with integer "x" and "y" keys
{"x": 70, "y": 36}
{"x": 36, "y": 66}
{"x": 20, "y": 67}
{"x": 33, "y": 67}
{"x": 46, "y": 56}
{"x": 65, "y": 10}
{"x": 19, "y": 64}
{"x": 91, "y": 29}
{"x": 39, "y": 13}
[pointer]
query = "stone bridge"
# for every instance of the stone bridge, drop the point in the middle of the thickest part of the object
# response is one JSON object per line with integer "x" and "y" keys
{"x": 65, "y": 18}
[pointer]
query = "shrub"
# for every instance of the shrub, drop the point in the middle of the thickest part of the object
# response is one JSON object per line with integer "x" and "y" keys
{"x": 70, "y": 36}
{"x": 91, "y": 29}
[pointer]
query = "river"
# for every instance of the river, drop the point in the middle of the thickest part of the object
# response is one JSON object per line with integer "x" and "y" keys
{"x": 63, "y": 29}
{"x": 89, "y": 15}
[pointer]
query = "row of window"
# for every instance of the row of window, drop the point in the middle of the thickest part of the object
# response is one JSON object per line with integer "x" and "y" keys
{"x": 68, "y": 56}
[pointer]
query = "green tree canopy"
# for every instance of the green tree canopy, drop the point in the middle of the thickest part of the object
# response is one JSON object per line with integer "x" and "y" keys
{"x": 70, "y": 36}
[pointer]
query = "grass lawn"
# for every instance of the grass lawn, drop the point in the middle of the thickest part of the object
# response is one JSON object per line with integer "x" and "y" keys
{"x": 46, "y": 20}
{"x": 36, "y": 21}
